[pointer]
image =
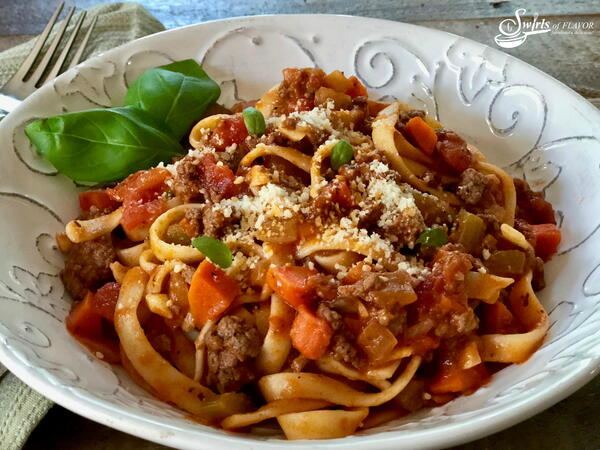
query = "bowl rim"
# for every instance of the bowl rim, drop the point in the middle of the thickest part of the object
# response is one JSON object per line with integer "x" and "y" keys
{"x": 443, "y": 435}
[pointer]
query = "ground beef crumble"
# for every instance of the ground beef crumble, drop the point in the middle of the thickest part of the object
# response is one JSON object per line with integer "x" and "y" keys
{"x": 472, "y": 186}
{"x": 187, "y": 184}
{"x": 87, "y": 266}
{"x": 231, "y": 346}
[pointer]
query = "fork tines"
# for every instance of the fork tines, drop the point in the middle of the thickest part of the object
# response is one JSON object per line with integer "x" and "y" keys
{"x": 24, "y": 81}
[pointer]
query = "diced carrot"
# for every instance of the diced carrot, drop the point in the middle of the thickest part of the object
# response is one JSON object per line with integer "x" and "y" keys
{"x": 451, "y": 378}
{"x": 211, "y": 293}
{"x": 547, "y": 238}
{"x": 310, "y": 334}
{"x": 294, "y": 284}
{"x": 422, "y": 133}
{"x": 83, "y": 318}
{"x": 85, "y": 324}
{"x": 98, "y": 198}
{"x": 357, "y": 89}
{"x": 355, "y": 273}
{"x": 104, "y": 301}
{"x": 497, "y": 319}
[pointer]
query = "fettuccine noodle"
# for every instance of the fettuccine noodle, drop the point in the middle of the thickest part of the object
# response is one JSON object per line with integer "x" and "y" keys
{"x": 351, "y": 263}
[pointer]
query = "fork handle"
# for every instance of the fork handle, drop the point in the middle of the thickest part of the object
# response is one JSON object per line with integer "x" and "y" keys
{"x": 7, "y": 104}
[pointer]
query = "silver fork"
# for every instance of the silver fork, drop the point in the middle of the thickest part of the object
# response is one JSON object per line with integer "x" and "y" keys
{"x": 27, "y": 79}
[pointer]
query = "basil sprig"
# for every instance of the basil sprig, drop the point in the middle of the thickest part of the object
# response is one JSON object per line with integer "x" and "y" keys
{"x": 433, "y": 237}
{"x": 176, "y": 94}
{"x": 254, "y": 121}
{"x": 341, "y": 154}
{"x": 215, "y": 250}
{"x": 102, "y": 145}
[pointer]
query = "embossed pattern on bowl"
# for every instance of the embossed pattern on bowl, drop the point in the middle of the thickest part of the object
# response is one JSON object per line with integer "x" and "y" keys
{"x": 519, "y": 117}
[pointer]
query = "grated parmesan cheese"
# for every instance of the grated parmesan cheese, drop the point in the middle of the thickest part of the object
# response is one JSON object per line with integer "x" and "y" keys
{"x": 317, "y": 118}
{"x": 270, "y": 201}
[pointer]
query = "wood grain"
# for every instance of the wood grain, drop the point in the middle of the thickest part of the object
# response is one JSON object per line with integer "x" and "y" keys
{"x": 573, "y": 59}
{"x": 29, "y": 17}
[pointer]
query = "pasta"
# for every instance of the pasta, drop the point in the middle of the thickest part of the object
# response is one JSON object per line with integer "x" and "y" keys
{"x": 323, "y": 260}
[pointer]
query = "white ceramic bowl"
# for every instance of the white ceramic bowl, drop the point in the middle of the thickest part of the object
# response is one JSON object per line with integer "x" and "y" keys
{"x": 519, "y": 117}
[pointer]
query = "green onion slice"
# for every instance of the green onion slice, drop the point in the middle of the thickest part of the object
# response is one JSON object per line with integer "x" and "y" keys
{"x": 433, "y": 237}
{"x": 341, "y": 154}
{"x": 254, "y": 120}
{"x": 216, "y": 251}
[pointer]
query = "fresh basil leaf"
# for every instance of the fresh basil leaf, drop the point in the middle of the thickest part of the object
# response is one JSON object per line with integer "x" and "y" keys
{"x": 176, "y": 94}
{"x": 433, "y": 237}
{"x": 254, "y": 121}
{"x": 102, "y": 145}
{"x": 187, "y": 67}
{"x": 216, "y": 251}
{"x": 341, "y": 154}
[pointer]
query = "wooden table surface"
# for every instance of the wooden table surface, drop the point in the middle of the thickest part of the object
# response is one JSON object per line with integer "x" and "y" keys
{"x": 573, "y": 59}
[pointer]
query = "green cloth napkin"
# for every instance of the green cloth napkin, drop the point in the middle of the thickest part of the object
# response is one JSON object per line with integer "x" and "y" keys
{"x": 117, "y": 23}
{"x": 21, "y": 408}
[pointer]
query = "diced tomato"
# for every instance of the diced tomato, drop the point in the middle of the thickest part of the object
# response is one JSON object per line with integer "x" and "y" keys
{"x": 137, "y": 213}
{"x": 211, "y": 293}
{"x": 422, "y": 134}
{"x": 104, "y": 301}
{"x": 547, "y": 238}
{"x": 454, "y": 151}
{"x": 218, "y": 178}
{"x": 497, "y": 319}
{"x": 188, "y": 227}
{"x": 531, "y": 205}
{"x": 294, "y": 284}
{"x": 310, "y": 334}
{"x": 297, "y": 90}
{"x": 140, "y": 194}
{"x": 301, "y": 104}
{"x": 98, "y": 198}
{"x": 449, "y": 271}
{"x": 451, "y": 378}
{"x": 374, "y": 108}
{"x": 341, "y": 194}
{"x": 357, "y": 89}
{"x": 142, "y": 185}
{"x": 230, "y": 130}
